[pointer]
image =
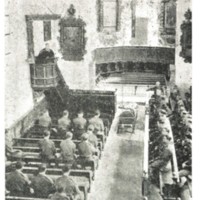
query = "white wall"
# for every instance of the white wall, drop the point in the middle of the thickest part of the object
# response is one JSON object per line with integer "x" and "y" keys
{"x": 19, "y": 98}
{"x": 183, "y": 70}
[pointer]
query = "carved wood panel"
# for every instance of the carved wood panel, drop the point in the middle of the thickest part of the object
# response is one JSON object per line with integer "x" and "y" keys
{"x": 168, "y": 21}
{"x": 72, "y": 36}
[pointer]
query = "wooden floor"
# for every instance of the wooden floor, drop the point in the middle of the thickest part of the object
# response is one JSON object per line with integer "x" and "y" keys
{"x": 119, "y": 176}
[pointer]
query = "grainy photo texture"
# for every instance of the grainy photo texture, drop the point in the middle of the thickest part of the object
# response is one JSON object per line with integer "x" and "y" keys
{"x": 98, "y": 99}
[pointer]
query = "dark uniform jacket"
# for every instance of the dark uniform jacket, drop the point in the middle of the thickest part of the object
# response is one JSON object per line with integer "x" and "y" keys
{"x": 58, "y": 196}
{"x": 17, "y": 183}
{"x": 92, "y": 138}
{"x": 68, "y": 184}
{"x": 79, "y": 125}
{"x": 67, "y": 149}
{"x": 165, "y": 156}
{"x": 85, "y": 149}
{"x": 42, "y": 185}
{"x": 64, "y": 123}
{"x": 48, "y": 149}
{"x": 45, "y": 56}
{"x": 97, "y": 123}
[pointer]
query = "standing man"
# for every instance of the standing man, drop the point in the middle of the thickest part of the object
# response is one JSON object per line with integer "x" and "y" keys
{"x": 158, "y": 90}
{"x": 69, "y": 185}
{"x": 46, "y": 55}
{"x": 47, "y": 147}
{"x": 79, "y": 124}
{"x": 68, "y": 149}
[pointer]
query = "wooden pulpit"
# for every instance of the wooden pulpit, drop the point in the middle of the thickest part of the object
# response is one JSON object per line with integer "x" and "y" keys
{"x": 44, "y": 75}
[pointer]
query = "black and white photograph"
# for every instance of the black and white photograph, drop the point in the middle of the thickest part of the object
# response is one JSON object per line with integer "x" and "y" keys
{"x": 98, "y": 100}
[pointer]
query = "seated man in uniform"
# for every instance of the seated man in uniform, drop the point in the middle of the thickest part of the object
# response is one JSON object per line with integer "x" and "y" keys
{"x": 97, "y": 122}
{"x": 18, "y": 183}
{"x": 70, "y": 187}
{"x": 92, "y": 138}
{"x": 12, "y": 154}
{"x": 44, "y": 121}
{"x": 86, "y": 149}
{"x": 163, "y": 121}
{"x": 79, "y": 124}
{"x": 48, "y": 149}
{"x": 68, "y": 149}
{"x": 64, "y": 123}
{"x": 46, "y": 55}
{"x": 60, "y": 194}
{"x": 165, "y": 156}
{"x": 42, "y": 184}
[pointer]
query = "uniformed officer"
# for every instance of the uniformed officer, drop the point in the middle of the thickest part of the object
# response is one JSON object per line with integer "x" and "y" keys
{"x": 42, "y": 184}
{"x": 64, "y": 123}
{"x": 79, "y": 124}
{"x": 165, "y": 156}
{"x": 44, "y": 120}
{"x": 69, "y": 185}
{"x": 18, "y": 183}
{"x": 85, "y": 148}
{"x": 92, "y": 138}
{"x": 97, "y": 122}
{"x": 47, "y": 147}
{"x": 68, "y": 149}
{"x": 60, "y": 194}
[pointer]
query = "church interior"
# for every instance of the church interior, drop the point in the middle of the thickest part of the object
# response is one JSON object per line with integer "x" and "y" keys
{"x": 98, "y": 102}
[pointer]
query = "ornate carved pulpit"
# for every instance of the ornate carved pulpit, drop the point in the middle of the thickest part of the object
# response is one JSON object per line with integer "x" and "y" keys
{"x": 44, "y": 76}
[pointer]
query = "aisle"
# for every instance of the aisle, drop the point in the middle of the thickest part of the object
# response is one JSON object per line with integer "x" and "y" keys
{"x": 119, "y": 176}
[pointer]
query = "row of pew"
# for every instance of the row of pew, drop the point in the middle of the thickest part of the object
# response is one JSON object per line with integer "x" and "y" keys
{"x": 83, "y": 173}
{"x": 166, "y": 183}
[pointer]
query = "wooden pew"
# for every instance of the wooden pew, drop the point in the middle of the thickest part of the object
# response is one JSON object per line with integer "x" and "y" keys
{"x": 82, "y": 177}
{"x": 174, "y": 171}
{"x": 34, "y": 142}
{"x": 145, "y": 181}
{"x": 23, "y": 198}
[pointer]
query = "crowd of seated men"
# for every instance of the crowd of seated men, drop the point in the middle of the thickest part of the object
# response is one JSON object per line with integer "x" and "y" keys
{"x": 86, "y": 131}
{"x": 181, "y": 122}
{"x": 160, "y": 152}
{"x": 42, "y": 186}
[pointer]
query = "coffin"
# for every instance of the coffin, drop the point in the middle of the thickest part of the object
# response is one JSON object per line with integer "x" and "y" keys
{"x": 44, "y": 76}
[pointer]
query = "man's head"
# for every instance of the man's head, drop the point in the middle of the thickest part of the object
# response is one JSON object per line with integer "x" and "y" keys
{"x": 97, "y": 113}
{"x": 65, "y": 113}
{"x": 90, "y": 128}
{"x": 47, "y": 46}
{"x": 68, "y": 135}
{"x": 84, "y": 137}
{"x": 80, "y": 113}
{"x": 19, "y": 165}
{"x": 162, "y": 113}
{"x": 42, "y": 168}
{"x": 165, "y": 131}
{"x": 166, "y": 139}
{"x": 46, "y": 134}
{"x": 157, "y": 84}
{"x": 65, "y": 169}
{"x": 60, "y": 189}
